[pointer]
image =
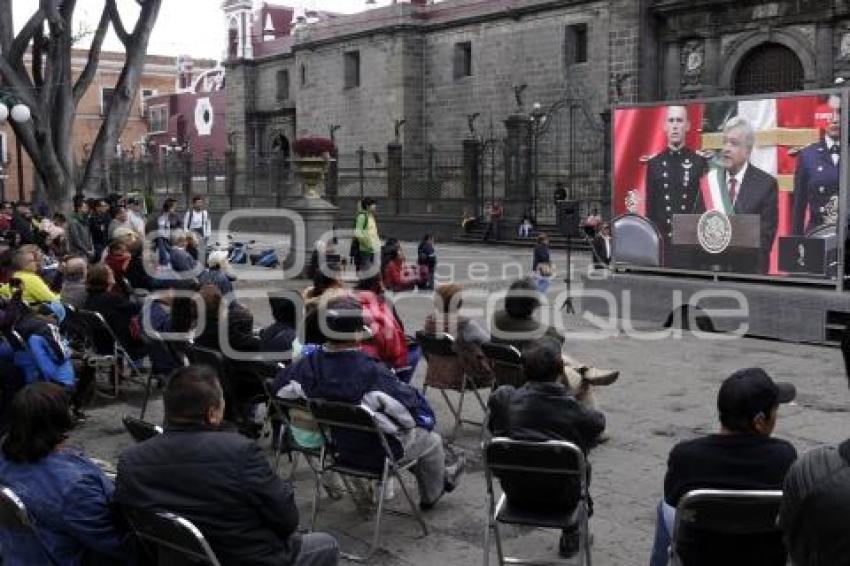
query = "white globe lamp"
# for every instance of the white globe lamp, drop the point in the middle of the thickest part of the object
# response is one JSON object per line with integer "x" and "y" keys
{"x": 20, "y": 113}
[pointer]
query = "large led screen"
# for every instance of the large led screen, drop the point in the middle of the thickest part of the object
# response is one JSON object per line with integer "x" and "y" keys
{"x": 746, "y": 186}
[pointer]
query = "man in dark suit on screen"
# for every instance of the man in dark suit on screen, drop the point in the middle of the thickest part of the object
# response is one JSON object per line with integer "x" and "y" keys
{"x": 750, "y": 189}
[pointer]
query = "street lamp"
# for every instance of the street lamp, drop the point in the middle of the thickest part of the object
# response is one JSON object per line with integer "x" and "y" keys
{"x": 538, "y": 119}
{"x": 20, "y": 114}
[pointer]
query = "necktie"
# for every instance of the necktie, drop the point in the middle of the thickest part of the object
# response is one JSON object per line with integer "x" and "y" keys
{"x": 835, "y": 153}
{"x": 733, "y": 189}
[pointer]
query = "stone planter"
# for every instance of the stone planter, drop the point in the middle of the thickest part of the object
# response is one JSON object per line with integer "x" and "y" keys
{"x": 311, "y": 171}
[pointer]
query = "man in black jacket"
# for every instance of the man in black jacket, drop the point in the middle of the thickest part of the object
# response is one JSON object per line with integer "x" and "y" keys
{"x": 219, "y": 480}
{"x": 542, "y": 410}
{"x": 743, "y": 455}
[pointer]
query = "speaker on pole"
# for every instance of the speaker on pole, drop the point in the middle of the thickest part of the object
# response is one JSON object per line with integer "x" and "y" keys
{"x": 569, "y": 218}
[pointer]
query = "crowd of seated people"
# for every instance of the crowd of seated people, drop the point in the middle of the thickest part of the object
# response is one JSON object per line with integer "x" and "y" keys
{"x": 355, "y": 350}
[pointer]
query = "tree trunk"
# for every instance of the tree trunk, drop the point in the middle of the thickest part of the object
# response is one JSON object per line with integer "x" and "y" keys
{"x": 52, "y": 95}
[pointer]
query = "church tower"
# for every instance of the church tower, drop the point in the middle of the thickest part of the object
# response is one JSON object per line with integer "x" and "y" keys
{"x": 239, "y": 18}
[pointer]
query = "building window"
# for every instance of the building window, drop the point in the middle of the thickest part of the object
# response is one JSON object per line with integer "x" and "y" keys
{"x": 105, "y": 99}
{"x": 575, "y": 44}
{"x": 158, "y": 119}
{"x": 352, "y": 69}
{"x": 463, "y": 59}
{"x": 3, "y": 157}
{"x": 283, "y": 85}
{"x": 303, "y": 74}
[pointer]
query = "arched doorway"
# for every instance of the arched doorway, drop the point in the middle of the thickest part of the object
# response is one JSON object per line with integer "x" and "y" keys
{"x": 769, "y": 67}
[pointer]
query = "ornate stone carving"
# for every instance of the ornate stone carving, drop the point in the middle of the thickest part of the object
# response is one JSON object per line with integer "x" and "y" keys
{"x": 692, "y": 61}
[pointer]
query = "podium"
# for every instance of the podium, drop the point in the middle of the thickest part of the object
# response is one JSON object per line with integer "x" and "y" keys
{"x": 742, "y": 255}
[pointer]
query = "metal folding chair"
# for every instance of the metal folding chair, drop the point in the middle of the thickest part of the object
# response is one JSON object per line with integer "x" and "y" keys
{"x": 707, "y": 512}
{"x": 109, "y": 353}
{"x": 446, "y": 373}
{"x": 545, "y": 466}
{"x": 171, "y": 538}
{"x": 15, "y": 518}
{"x": 340, "y": 418}
{"x": 140, "y": 430}
{"x": 506, "y": 361}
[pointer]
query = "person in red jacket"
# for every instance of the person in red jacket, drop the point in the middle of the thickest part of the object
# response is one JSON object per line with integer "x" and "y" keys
{"x": 395, "y": 277}
{"x": 388, "y": 343}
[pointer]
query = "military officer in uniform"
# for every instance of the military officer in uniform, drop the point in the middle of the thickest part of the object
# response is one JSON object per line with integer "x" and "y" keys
{"x": 673, "y": 178}
{"x": 816, "y": 177}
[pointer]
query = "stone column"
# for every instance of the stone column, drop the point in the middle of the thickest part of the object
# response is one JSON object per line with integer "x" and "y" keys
{"x": 672, "y": 70}
{"x": 332, "y": 178}
{"x": 825, "y": 54}
{"x": 472, "y": 171}
{"x": 395, "y": 161}
{"x": 518, "y": 174}
{"x": 711, "y": 72}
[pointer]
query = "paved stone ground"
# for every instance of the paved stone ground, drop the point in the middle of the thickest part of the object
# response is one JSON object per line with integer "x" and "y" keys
{"x": 666, "y": 393}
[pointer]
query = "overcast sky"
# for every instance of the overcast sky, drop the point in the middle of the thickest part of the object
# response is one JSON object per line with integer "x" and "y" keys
{"x": 193, "y": 27}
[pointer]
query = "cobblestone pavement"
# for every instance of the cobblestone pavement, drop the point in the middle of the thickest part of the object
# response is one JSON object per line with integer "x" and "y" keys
{"x": 666, "y": 393}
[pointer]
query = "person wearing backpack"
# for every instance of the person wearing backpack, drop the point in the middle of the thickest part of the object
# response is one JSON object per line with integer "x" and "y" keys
{"x": 197, "y": 219}
{"x": 366, "y": 238}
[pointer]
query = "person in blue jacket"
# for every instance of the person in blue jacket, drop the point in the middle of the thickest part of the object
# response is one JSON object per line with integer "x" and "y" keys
{"x": 47, "y": 356}
{"x": 68, "y": 498}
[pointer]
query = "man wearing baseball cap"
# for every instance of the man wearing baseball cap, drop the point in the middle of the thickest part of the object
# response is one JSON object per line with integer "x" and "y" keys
{"x": 743, "y": 455}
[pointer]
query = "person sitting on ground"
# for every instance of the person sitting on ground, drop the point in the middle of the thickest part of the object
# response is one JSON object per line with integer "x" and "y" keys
{"x": 543, "y": 409}
{"x": 743, "y": 455}
{"x": 468, "y": 221}
{"x": 22, "y": 222}
{"x": 27, "y": 263}
{"x": 119, "y": 313}
{"x": 181, "y": 260}
{"x": 468, "y": 337}
{"x": 281, "y": 335}
{"x": 526, "y": 225}
{"x": 342, "y": 372}
{"x": 68, "y": 498}
{"x": 396, "y": 275}
{"x": 815, "y": 508}
{"x": 388, "y": 343}
{"x": 219, "y": 480}
{"x": 216, "y": 272}
{"x": 516, "y": 325}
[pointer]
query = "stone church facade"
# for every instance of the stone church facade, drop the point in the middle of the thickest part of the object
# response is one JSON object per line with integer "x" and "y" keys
{"x": 464, "y": 69}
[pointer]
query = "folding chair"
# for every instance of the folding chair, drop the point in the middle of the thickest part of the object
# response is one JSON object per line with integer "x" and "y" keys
{"x": 711, "y": 512}
{"x": 110, "y": 354}
{"x": 446, "y": 373}
{"x": 15, "y": 518}
{"x": 336, "y": 419}
{"x": 140, "y": 430}
{"x": 170, "y": 538}
{"x": 506, "y": 361}
{"x": 547, "y": 466}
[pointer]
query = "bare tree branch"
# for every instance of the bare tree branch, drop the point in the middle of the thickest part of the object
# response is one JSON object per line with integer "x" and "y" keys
{"x": 85, "y": 78}
{"x": 20, "y": 85}
{"x": 122, "y": 99}
{"x": 117, "y": 24}
{"x": 7, "y": 31}
{"x": 19, "y": 45}
{"x": 37, "y": 63}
